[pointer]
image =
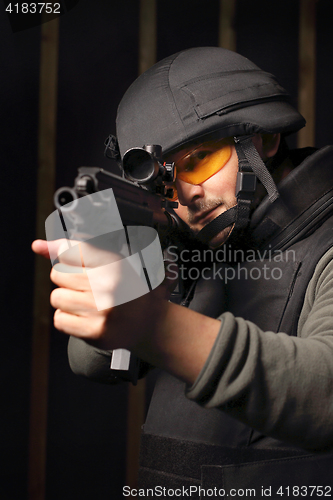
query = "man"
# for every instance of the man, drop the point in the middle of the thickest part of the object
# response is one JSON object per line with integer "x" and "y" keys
{"x": 253, "y": 352}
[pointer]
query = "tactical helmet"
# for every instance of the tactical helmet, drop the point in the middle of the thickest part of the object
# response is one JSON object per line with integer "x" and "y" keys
{"x": 207, "y": 93}
{"x": 202, "y": 91}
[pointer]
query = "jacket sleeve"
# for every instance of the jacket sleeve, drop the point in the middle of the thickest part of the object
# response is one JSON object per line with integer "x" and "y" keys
{"x": 279, "y": 385}
{"x": 88, "y": 361}
{"x": 95, "y": 364}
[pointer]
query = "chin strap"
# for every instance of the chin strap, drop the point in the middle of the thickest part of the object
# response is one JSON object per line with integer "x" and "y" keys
{"x": 251, "y": 167}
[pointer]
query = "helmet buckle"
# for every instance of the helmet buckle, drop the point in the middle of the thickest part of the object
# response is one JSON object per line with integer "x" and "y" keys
{"x": 246, "y": 183}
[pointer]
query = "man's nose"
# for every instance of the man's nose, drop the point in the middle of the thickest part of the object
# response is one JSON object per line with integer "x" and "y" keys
{"x": 189, "y": 193}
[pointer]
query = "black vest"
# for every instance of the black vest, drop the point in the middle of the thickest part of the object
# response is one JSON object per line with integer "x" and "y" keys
{"x": 184, "y": 444}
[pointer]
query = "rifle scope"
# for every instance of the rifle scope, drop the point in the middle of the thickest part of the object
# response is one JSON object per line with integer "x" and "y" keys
{"x": 145, "y": 166}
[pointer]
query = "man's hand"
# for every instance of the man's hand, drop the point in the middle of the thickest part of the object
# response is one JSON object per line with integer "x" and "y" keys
{"x": 164, "y": 334}
{"x": 76, "y": 314}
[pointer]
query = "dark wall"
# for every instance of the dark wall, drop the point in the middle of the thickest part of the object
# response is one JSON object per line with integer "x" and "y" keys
{"x": 98, "y": 60}
{"x": 19, "y": 68}
{"x": 86, "y": 421}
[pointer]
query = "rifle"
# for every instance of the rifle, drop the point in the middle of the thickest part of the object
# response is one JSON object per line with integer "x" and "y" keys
{"x": 142, "y": 199}
{"x": 137, "y": 205}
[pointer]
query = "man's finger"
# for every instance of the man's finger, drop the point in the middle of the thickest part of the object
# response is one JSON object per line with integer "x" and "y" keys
{"x": 73, "y": 302}
{"x": 79, "y": 326}
{"x": 40, "y": 247}
{"x": 71, "y": 277}
{"x": 86, "y": 255}
{"x": 49, "y": 248}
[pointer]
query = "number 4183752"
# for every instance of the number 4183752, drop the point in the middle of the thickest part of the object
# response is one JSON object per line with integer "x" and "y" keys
{"x": 305, "y": 491}
{"x": 33, "y": 8}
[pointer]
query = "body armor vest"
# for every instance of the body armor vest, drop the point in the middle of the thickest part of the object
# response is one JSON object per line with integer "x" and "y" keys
{"x": 184, "y": 444}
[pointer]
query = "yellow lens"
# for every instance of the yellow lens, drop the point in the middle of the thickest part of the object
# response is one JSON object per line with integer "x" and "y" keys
{"x": 202, "y": 162}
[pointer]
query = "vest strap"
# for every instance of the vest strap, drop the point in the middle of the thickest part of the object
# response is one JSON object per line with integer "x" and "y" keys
{"x": 170, "y": 455}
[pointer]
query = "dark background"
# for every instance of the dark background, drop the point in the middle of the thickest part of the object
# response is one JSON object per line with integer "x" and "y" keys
{"x": 98, "y": 61}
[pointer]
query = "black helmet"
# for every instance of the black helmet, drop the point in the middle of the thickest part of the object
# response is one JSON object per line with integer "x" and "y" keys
{"x": 198, "y": 92}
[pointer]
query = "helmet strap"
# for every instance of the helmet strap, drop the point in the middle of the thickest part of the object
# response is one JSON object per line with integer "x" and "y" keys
{"x": 217, "y": 225}
{"x": 249, "y": 158}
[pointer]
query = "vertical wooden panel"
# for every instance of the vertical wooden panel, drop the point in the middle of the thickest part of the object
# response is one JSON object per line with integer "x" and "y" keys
{"x": 307, "y": 71}
{"x": 137, "y": 394}
{"x": 227, "y": 33}
{"x": 135, "y": 420}
{"x": 42, "y": 286}
{"x": 147, "y": 35}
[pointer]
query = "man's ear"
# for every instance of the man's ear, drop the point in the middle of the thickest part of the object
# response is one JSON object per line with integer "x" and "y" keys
{"x": 270, "y": 144}
{"x": 266, "y": 144}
